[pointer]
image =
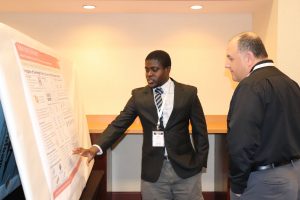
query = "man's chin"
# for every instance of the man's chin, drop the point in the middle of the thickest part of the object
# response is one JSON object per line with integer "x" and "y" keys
{"x": 152, "y": 85}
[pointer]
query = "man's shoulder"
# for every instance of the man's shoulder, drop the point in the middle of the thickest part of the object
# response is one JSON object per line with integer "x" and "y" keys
{"x": 260, "y": 79}
{"x": 185, "y": 86}
{"x": 140, "y": 90}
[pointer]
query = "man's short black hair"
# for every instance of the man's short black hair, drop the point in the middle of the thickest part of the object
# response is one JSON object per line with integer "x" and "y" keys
{"x": 161, "y": 56}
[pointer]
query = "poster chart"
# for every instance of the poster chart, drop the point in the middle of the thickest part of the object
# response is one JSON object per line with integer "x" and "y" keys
{"x": 45, "y": 121}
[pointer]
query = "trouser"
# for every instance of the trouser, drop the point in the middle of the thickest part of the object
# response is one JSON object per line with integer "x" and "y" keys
{"x": 279, "y": 183}
{"x": 169, "y": 186}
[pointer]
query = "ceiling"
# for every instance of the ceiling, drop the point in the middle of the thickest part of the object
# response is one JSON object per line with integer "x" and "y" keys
{"x": 129, "y": 6}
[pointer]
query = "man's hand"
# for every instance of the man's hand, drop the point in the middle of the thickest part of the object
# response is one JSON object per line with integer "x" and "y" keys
{"x": 89, "y": 153}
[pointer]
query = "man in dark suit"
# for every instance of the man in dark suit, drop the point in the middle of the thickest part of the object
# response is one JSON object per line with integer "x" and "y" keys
{"x": 263, "y": 125}
{"x": 172, "y": 160}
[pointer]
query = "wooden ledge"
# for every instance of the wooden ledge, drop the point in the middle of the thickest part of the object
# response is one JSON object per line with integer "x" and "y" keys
{"x": 216, "y": 124}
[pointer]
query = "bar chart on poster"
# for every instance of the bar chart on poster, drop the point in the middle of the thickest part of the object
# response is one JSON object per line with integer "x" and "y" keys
{"x": 44, "y": 117}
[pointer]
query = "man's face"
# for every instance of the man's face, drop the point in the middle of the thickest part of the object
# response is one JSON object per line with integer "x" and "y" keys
{"x": 156, "y": 74}
{"x": 236, "y": 62}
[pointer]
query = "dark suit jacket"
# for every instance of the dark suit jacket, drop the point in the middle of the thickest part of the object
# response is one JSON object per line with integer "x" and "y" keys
{"x": 186, "y": 160}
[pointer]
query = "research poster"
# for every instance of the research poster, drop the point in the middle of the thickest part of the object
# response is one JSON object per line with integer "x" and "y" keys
{"x": 45, "y": 120}
{"x": 51, "y": 115}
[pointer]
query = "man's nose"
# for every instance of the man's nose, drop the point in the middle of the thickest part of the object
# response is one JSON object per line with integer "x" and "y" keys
{"x": 149, "y": 73}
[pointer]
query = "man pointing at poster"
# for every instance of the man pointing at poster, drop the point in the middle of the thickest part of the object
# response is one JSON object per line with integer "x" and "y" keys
{"x": 171, "y": 161}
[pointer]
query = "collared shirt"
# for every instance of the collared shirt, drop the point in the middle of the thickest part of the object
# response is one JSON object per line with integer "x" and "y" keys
{"x": 261, "y": 64}
{"x": 168, "y": 90}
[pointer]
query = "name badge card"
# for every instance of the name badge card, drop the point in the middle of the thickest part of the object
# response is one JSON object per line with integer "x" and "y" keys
{"x": 158, "y": 139}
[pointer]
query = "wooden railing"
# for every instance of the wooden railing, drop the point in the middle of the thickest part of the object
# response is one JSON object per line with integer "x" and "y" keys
{"x": 216, "y": 124}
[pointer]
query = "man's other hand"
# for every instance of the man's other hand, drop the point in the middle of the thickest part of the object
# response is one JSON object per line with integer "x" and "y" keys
{"x": 89, "y": 153}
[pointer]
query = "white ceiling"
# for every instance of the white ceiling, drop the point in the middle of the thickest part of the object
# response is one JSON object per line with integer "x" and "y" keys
{"x": 129, "y": 6}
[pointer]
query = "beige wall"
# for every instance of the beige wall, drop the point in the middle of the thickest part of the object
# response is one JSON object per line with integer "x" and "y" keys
{"x": 288, "y": 40}
{"x": 265, "y": 24}
{"x": 109, "y": 51}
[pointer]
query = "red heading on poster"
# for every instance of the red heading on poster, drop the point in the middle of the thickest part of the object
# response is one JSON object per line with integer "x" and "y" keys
{"x": 33, "y": 55}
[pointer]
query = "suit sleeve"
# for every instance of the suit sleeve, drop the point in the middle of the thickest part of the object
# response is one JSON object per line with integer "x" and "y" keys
{"x": 118, "y": 127}
{"x": 244, "y": 124}
{"x": 199, "y": 129}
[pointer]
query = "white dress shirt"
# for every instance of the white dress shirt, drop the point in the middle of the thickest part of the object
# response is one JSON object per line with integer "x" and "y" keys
{"x": 168, "y": 96}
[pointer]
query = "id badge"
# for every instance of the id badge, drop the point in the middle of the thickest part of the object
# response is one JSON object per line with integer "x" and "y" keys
{"x": 158, "y": 139}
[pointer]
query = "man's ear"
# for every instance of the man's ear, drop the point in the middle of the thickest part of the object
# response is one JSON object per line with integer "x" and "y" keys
{"x": 168, "y": 69}
{"x": 249, "y": 58}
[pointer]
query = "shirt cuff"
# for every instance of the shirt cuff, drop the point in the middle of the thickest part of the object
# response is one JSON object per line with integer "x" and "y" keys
{"x": 100, "y": 152}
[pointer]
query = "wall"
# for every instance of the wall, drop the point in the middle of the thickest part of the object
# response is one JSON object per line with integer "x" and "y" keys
{"x": 288, "y": 40}
{"x": 109, "y": 51}
{"x": 265, "y": 25}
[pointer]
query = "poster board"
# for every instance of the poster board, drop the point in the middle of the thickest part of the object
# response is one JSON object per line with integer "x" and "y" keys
{"x": 45, "y": 120}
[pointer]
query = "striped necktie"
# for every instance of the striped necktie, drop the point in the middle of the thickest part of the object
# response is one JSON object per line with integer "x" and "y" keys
{"x": 158, "y": 100}
{"x": 157, "y": 96}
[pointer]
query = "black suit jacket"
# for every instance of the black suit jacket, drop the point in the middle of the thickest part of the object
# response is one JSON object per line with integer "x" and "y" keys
{"x": 186, "y": 160}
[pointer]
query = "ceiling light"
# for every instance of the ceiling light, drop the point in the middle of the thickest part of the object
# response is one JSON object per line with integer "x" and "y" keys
{"x": 196, "y": 7}
{"x": 89, "y": 7}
